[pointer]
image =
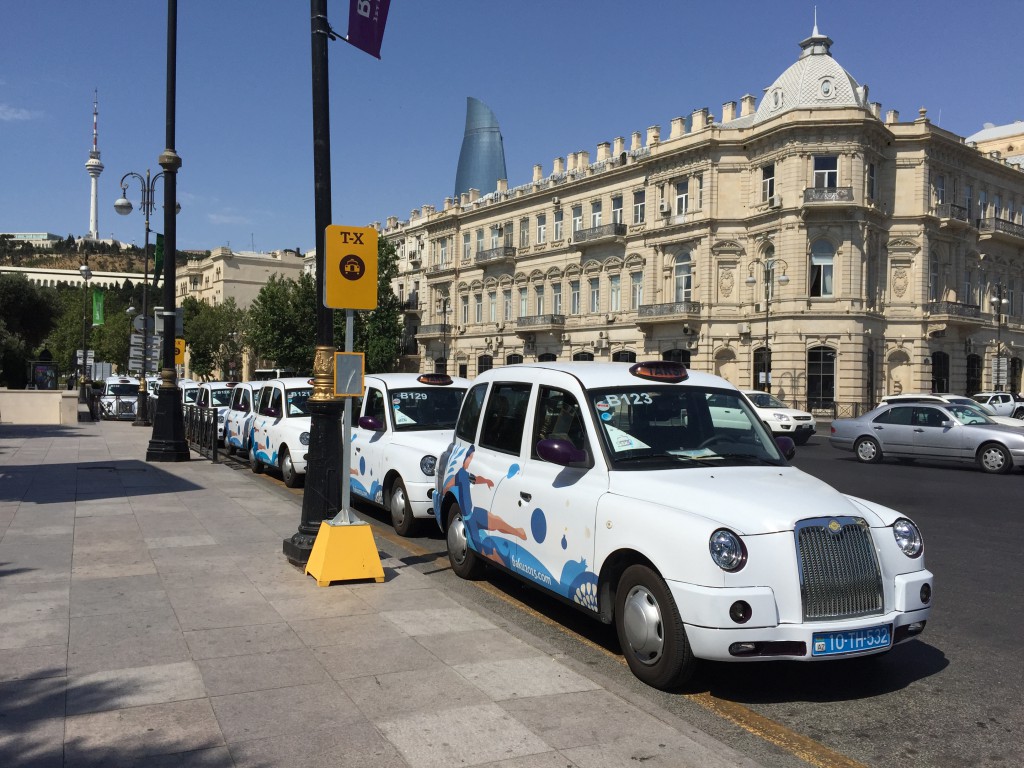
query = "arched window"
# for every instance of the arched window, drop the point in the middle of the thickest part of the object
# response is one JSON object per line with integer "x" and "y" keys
{"x": 822, "y": 262}
{"x": 513, "y": 359}
{"x": 940, "y": 372}
{"x": 683, "y": 276}
{"x": 484, "y": 363}
{"x": 676, "y": 356}
{"x": 761, "y": 360}
{"x": 547, "y": 357}
{"x": 821, "y": 377}
{"x": 583, "y": 356}
{"x": 624, "y": 356}
{"x": 441, "y": 365}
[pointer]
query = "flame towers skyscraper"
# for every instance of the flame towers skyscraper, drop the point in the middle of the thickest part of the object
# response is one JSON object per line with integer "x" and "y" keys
{"x": 482, "y": 157}
{"x": 94, "y": 168}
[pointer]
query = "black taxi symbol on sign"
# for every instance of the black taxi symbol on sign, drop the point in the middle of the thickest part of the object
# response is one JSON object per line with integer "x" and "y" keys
{"x": 352, "y": 267}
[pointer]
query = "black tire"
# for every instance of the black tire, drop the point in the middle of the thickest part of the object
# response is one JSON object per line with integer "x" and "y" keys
{"x": 651, "y": 630}
{"x": 229, "y": 448}
{"x": 867, "y": 450}
{"x": 801, "y": 438}
{"x": 994, "y": 459}
{"x": 401, "y": 513}
{"x": 1018, "y": 413}
{"x": 255, "y": 464}
{"x": 464, "y": 561}
{"x": 291, "y": 478}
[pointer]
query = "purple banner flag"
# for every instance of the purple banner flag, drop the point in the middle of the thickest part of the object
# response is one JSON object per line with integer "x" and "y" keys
{"x": 366, "y": 20}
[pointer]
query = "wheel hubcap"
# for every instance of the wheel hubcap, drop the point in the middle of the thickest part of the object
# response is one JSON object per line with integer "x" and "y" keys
{"x": 641, "y": 620}
{"x": 867, "y": 450}
{"x": 398, "y": 504}
{"x": 457, "y": 544}
{"x": 993, "y": 459}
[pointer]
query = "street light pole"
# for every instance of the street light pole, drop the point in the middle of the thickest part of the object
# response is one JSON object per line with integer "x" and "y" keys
{"x": 83, "y": 394}
{"x": 768, "y": 265}
{"x": 998, "y": 302}
{"x": 123, "y": 206}
{"x": 444, "y": 335}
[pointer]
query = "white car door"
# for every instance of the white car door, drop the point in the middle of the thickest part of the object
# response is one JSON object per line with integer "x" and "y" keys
{"x": 366, "y": 457}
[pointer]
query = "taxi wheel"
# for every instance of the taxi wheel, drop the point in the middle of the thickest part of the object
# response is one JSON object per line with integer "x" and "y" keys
{"x": 401, "y": 514}
{"x": 254, "y": 464}
{"x": 464, "y": 561}
{"x": 651, "y": 630}
{"x": 229, "y": 448}
{"x": 867, "y": 450}
{"x": 994, "y": 459}
{"x": 291, "y": 478}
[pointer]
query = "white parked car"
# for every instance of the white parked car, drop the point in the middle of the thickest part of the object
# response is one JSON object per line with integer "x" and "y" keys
{"x": 216, "y": 394}
{"x": 240, "y": 414}
{"x": 780, "y": 418}
{"x": 614, "y": 487}
{"x": 120, "y": 397}
{"x": 1001, "y": 403}
{"x": 189, "y": 391}
{"x": 279, "y": 435}
{"x": 406, "y": 420}
{"x": 933, "y": 397}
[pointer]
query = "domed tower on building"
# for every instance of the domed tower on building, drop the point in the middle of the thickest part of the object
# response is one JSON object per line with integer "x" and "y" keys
{"x": 482, "y": 157}
{"x": 94, "y": 168}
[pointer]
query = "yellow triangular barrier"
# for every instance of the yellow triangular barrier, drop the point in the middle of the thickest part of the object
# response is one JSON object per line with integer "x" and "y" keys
{"x": 344, "y": 552}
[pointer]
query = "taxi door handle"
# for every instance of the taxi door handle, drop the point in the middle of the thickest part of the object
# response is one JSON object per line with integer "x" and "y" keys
{"x": 525, "y": 496}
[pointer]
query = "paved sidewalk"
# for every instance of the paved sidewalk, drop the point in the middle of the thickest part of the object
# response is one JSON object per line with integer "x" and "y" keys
{"x": 148, "y": 618}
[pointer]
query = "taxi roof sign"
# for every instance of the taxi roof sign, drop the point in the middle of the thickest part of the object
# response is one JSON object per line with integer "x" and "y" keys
{"x": 350, "y": 267}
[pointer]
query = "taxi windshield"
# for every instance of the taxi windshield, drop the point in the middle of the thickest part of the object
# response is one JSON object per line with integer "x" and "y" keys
{"x": 296, "y": 399}
{"x": 662, "y": 427}
{"x": 122, "y": 390}
{"x": 422, "y": 408}
{"x": 190, "y": 395}
{"x": 221, "y": 397}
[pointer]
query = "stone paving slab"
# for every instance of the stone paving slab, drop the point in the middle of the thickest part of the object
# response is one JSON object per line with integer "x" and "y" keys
{"x": 149, "y": 618}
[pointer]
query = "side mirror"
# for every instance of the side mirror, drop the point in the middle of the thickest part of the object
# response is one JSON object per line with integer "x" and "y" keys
{"x": 947, "y": 424}
{"x": 562, "y": 452}
{"x": 370, "y": 423}
{"x": 272, "y": 413}
{"x": 787, "y": 446}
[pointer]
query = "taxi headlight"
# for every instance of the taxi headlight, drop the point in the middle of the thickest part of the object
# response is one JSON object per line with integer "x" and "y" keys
{"x": 908, "y": 537}
{"x": 304, "y": 438}
{"x": 727, "y": 550}
{"x": 428, "y": 464}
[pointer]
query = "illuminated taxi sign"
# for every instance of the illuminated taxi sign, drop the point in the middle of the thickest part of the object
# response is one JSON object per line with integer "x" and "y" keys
{"x": 230, "y": 384}
{"x": 435, "y": 379}
{"x": 660, "y": 370}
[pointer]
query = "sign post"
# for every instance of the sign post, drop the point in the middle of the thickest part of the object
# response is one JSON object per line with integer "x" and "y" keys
{"x": 344, "y": 547}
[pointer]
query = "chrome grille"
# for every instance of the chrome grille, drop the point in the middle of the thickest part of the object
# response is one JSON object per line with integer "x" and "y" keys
{"x": 839, "y": 572}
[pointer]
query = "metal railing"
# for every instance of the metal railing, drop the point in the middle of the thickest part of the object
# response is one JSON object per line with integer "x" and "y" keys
{"x": 599, "y": 233}
{"x": 954, "y": 308}
{"x": 950, "y": 211}
{"x": 201, "y": 430}
{"x": 672, "y": 308}
{"x": 828, "y": 195}
{"x": 1001, "y": 225}
{"x": 501, "y": 253}
{"x": 531, "y": 321}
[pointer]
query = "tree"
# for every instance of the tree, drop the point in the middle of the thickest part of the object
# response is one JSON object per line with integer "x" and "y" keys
{"x": 213, "y": 335}
{"x": 282, "y": 323}
{"x": 27, "y": 315}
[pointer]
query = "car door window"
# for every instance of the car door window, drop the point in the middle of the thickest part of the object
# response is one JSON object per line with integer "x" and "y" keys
{"x": 275, "y": 409}
{"x": 900, "y": 416}
{"x": 558, "y": 417}
{"x": 505, "y": 416}
{"x": 928, "y": 417}
{"x": 376, "y": 407}
{"x": 469, "y": 416}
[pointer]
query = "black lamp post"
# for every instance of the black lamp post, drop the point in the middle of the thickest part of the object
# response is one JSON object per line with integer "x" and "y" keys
{"x": 768, "y": 265}
{"x": 444, "y": 335}
{"x": 998, "y": 303}
{"x": 168, "y": 440}
{"x": 124, "y": 206}
{"x": 83, "y": 392}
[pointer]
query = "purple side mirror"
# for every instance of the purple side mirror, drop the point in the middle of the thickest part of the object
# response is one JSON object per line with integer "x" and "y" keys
{"x": 370, "y": 423}
{"x": 561, "y": 452}
{"x": 787, "y": 446}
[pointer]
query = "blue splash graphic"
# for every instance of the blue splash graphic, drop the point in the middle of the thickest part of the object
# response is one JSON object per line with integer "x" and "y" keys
{"x": 539, "y": 525}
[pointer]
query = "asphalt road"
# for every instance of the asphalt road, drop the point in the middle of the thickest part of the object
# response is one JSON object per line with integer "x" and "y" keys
{"x": 952, "y": 698}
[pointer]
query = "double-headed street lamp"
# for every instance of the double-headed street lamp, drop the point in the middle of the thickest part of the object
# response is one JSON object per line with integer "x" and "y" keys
{"x": 768, "y": 264}
{"x": 124, "y": 206}
{"x": 999, "y": 302}
{"x": 83, "y": 395}
{"x": 444, "y": 335}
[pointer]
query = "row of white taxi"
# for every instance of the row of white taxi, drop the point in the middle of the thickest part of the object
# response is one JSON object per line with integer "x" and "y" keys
{"x": 648, "y": 496}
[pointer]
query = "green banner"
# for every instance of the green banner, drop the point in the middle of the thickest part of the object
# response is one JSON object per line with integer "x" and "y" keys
{"x": 97, "y": 306}
{"x": 158, "y": 260}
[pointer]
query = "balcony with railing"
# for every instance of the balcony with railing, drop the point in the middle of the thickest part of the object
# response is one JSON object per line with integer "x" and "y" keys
{"x": 952, "y": 215}
{"x": 605, "y": 233}
{"x": 503, "y": 254}
{"x": 1002, "y": 230}
{"x": 673, "y": 312}
{"x": 441, "y": 269}
{"x": 434, "y": 330}
{"x": 954, "y": 313}
{"x": 539, "y": 323}
{"x": 828, "y": 197}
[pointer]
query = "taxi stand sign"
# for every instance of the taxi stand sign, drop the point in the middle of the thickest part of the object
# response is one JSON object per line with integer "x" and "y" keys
{"x": 350, "y": 267}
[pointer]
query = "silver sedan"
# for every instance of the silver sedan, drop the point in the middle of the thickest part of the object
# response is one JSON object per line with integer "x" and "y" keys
{"x": 930, "y": 431}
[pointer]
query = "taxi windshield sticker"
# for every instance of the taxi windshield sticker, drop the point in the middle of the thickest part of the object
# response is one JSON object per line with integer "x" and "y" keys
{"x": 401, "y": 419}
{"x": 623, "y": 441}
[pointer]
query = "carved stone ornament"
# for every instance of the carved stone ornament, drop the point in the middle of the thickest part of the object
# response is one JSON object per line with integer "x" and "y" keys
{"x": 900, "y": 281}
{"x": 726, "y": 283}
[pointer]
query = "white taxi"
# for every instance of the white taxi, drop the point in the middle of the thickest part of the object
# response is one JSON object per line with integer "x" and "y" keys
{"x": 780, "y": 418}
{"x": 216, "y": 394}
{"x": 120, "y": 397}
{"x": 238, "y": 421}
{"x": 405, "y": 421}
{"x": 615, "y": 487}
{"x": 279, "y": 435}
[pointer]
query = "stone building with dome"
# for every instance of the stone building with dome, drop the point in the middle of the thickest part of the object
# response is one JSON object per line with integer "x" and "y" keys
{"x": 807, "y": 244}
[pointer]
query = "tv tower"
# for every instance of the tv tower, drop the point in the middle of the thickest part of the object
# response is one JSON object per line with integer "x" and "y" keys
{"x": 94, "y": 168}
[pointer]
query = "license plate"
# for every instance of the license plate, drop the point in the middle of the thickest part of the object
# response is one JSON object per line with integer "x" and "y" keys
{"x": 851, "y": 640}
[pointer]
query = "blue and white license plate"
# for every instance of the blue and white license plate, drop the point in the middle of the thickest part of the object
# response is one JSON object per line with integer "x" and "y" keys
{"x": 851, "y": 641}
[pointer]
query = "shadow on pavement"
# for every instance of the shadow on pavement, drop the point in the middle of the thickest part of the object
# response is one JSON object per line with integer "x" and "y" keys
{"x": 87, "y": 481}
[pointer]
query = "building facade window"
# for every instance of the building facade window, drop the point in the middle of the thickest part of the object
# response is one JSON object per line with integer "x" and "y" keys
{"x": 933, "y": 277}
{"x": 624, "y": 356}
{"x": 556, "y": 298}
{"x": 542, "y": 229}
{"x": 639, "y": 206}
{"x": 444, "y": 250}
{"x": 465, "y": 310}
{"x": 513, "y": 359}
{"x": 614, "y": 293}
{"x": 969, "y": 199}
{"x": 636, "y": 289}
{"x": 699, "y": 180}
{"x": 495, "y": 234}
{"x": 821, "y": 377}
{"x": 584, "y": 356}
{"x": 617, "y": 209}
{"x": 594, "y": 285}
{"x": 508, "y": 232}
{"x": 479, "y": 240}
{"x": 767, "y": 182}
{"x": 871, "y": 181}
{"x": 940, "y": 189}
{"x": 682, "y": 196}
{"x": 574, "y": 297}
{"x": 595, "y": 214}
{"x": 484, "y": 363}
{"x": 492, "y": 306}
{"x": 558, "y": 226}
{"x": 524, "y": 233}
{"x": 822, "y": 265}
{"x": 467, "y": 251}
{"x": 577, "y": 218}
{"x": 478, "y": 308}
{"x": 538, "y": 299}
{"x": 506, "y": 302}
{"x": 682, "y": 274}
{"x": 524, "y": 308}
{"x": 826, "y": 172}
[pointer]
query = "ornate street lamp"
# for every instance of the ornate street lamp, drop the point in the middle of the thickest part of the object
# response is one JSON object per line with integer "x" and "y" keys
{"x": 999, "y": 302}
{"x": 83, "y": 394}
{"x": 768, "y": 265}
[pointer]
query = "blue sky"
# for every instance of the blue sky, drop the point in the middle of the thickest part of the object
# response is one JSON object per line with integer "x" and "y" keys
{"x": 561, "y": 76}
